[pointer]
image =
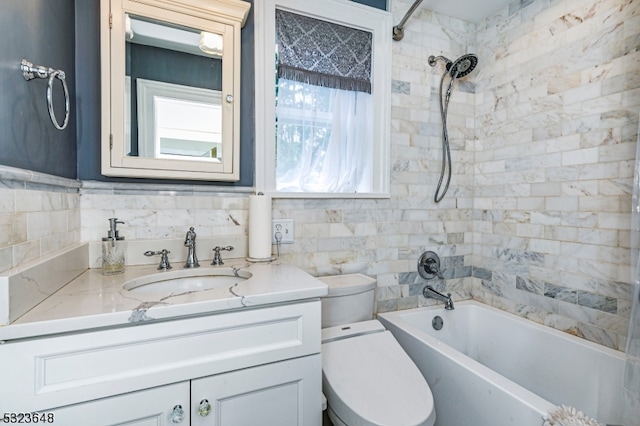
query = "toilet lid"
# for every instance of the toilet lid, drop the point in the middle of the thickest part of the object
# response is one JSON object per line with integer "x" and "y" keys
{"x": 370, "y": 380}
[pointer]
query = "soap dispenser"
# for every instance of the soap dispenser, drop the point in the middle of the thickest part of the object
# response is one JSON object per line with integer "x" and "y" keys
{"x": 113, "y": 250}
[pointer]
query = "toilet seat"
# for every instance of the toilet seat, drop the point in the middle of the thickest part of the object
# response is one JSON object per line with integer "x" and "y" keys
{"x": 369, "y": 380}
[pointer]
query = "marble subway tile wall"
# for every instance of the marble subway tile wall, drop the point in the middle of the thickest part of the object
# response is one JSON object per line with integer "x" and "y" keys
{"x": 557, "y": 106}
{"x": 384, "y": 238}
{"x": 36, "y": 219}
{"x": 158, "y": 216}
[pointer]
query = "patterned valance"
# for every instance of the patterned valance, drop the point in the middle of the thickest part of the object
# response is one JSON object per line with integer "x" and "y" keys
{"x": 323, "y": 53}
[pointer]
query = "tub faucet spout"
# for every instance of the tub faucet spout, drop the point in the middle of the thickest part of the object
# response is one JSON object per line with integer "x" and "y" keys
{"x": 429, "y": 291}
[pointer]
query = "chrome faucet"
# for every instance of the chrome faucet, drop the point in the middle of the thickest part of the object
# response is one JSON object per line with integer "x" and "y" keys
{"x": 429, "y": 291}
{"x": 190, "y": 242}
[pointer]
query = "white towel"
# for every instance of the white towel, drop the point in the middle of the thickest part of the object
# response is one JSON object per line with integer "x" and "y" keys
{"x": 568, "y": 416}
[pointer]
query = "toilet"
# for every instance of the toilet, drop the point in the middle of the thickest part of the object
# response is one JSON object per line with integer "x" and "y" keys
{"x": 367, "y": 378}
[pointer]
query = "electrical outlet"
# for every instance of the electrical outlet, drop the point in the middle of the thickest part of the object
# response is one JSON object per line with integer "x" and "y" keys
{"x": 282, "y": 228}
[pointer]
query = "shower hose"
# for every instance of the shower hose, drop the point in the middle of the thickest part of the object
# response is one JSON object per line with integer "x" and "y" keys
{"x": 446, "y": 150}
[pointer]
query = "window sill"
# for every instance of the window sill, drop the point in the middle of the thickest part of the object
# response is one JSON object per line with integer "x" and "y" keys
{"x": 315, "y": 195}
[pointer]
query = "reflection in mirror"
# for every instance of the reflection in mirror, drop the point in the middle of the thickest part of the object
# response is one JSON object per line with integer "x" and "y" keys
{"x": 178, "y": 122}
{"x": 173, "y": 89}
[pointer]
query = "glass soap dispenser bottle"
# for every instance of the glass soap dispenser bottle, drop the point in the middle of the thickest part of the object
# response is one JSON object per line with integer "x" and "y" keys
{"x": 113, "y": 250}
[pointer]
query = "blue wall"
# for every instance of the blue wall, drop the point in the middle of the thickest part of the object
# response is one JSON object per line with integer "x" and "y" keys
{"x": 65, "y": 34}
{"x": 40, "y": 31}
{"x": 378, "y": 4}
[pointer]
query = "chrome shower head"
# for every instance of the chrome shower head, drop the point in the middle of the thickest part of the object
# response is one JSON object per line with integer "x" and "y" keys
{"x": 463, "y": 65}
{"x": 458, "y": 68}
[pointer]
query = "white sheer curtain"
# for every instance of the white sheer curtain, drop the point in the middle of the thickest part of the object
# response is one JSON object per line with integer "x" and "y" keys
{"x": 631, "y": 392}
{"x": 323, "y": 139}
{"x": 347, "y": 166}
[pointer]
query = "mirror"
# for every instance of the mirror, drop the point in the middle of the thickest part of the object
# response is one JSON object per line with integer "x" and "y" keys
{"x": 173, "y": 91}
{"x": 170, "y": 75}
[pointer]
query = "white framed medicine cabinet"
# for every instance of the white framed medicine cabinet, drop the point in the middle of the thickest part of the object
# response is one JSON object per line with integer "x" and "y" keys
{"x": 171, "y": 88}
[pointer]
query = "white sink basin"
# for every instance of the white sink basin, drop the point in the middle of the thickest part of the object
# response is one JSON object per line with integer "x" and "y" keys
{"x": 181, "y": 281}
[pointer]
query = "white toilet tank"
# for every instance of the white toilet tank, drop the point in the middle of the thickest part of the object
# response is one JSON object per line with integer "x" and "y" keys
{"x": 350, "y": 299}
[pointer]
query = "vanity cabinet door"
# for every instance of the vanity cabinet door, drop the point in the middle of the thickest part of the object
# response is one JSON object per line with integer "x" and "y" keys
{"x": 286, "y": 393}
{"x": 61, "y": 370}
{"x": 164, "y": 405}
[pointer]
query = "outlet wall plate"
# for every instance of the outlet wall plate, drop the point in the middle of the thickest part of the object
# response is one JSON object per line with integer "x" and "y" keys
{"x": 285, "y": 229}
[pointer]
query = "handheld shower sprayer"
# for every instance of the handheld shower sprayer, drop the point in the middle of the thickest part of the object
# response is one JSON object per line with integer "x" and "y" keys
{"x": 458, "y": 68}
{"x": 455, "y": 69}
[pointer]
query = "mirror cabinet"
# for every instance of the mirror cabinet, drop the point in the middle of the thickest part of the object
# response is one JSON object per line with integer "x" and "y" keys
{"x": 171, "y": 88}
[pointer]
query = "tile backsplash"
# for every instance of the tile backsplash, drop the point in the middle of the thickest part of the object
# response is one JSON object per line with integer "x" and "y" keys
{"x": 39, "y": 215}
{"x": 537, "y": 217}
{"x": 157, "y": 217}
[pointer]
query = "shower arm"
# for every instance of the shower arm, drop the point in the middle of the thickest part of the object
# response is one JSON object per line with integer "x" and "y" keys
{"x": 398, "y": 30}
{"x": 433, "y": 60}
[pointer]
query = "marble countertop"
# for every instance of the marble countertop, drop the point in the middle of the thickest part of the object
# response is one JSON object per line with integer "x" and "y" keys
{"x": 93, "y": 300}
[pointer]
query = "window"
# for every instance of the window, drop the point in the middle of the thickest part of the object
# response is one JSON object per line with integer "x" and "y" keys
{"x": 322, "y": 139}
{"x": 179, "y": 121}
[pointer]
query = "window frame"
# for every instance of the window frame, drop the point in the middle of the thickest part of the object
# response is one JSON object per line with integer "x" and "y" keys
{"x": 343, "y": 12}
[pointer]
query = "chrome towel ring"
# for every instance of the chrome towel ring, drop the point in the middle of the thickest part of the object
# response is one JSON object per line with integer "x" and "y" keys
{"x": 29, "y": 72}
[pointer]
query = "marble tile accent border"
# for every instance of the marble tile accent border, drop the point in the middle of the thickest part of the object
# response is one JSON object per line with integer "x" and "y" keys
{"x": 124, "y": 188}
{"x": 600, "y": 315}
{"x": 562, "y": 293}
{"x": 14, "y": 178}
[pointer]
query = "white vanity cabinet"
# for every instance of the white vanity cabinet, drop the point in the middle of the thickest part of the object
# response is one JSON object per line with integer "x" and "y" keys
{"x": 164, "y": 405}
{"x": 276, "y": 394}
{"x": 255, "y": 366}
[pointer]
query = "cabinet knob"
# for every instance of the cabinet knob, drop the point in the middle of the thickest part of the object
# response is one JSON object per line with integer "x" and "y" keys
{"x": 204, "y": 408}
{"x": 229, "y": 99}
{"x": 177, "y": 415}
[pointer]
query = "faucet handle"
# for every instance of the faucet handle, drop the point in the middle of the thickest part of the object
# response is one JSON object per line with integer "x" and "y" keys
{"x": 164, "y": 259}
{"x": 217, "y": 258}
{"x": 429, "y": 266}
{"x": 433, "y": 267}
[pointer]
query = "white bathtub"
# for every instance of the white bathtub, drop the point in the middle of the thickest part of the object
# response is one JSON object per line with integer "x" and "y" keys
{"x": 487, "y": 367}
